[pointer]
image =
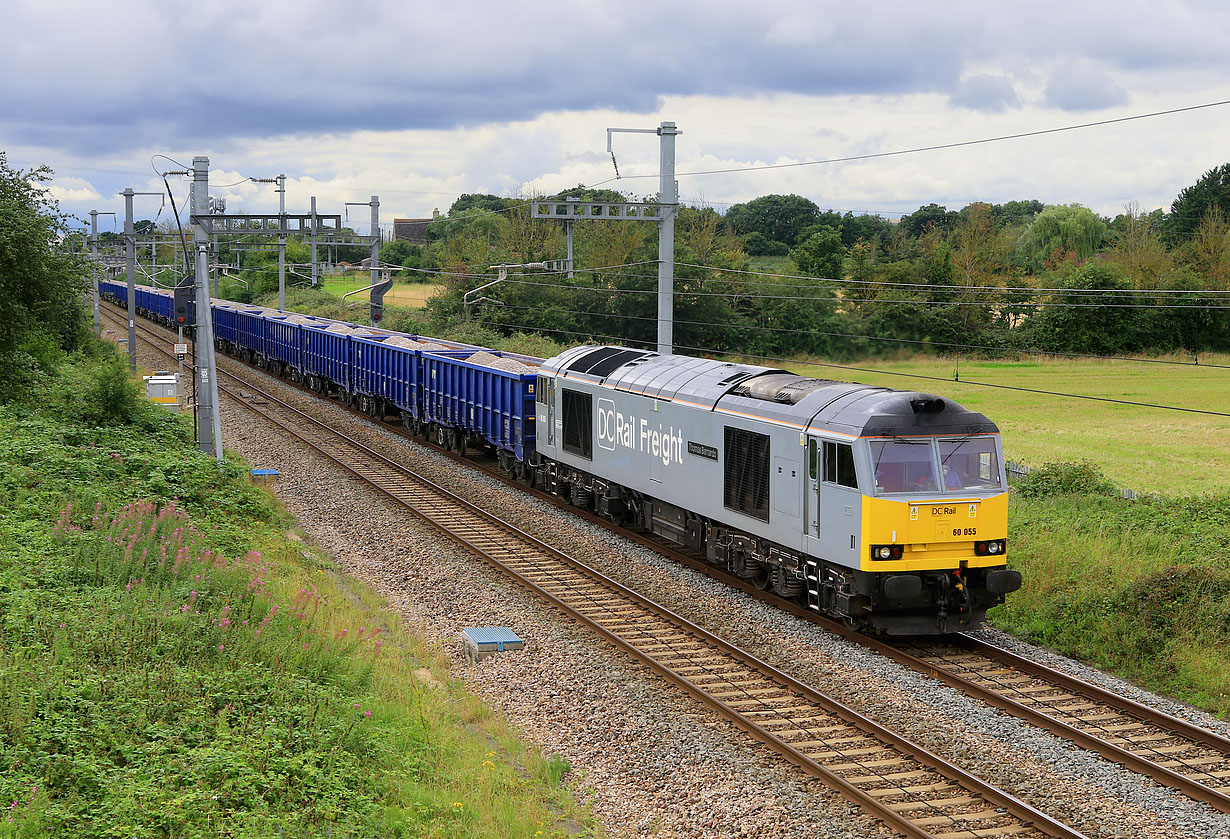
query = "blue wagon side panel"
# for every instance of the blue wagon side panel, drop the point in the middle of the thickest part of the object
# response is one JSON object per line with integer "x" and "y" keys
{"x": 494, "y": 404}
{"x": 282, "y": 340}
{"x": 250, "y": 330}
{"x": 383, "y": 371}
{"x": 327, "y": 354}
{"x": 163, "y": 302}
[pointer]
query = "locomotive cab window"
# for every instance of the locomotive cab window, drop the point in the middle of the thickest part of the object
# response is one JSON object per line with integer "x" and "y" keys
{"x": 904, "y": 466}
{"x": 971, "y": 463}
{"x": 839, "y": 464}
{"x": 578, "y": 424}
{"x": 540, "y": 391}
{"x": 746, "y": 478}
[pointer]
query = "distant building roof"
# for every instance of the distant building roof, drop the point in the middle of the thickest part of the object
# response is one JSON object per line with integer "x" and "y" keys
{"x": 413, "y": 230}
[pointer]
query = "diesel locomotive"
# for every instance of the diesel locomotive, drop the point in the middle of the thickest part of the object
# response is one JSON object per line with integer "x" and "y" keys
{"x": 883, "y": 508}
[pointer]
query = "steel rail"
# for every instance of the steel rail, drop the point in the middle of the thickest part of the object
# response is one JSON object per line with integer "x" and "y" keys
{"x": 1194, "y": 789}
{"x": 1028, "y": 818}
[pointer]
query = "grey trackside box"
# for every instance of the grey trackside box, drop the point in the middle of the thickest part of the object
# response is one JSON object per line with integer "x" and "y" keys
{"x": 483, "y": 641}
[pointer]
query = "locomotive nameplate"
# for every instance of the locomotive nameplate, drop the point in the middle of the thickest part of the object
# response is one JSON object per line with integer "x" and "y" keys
{"x": 701, "y": 450}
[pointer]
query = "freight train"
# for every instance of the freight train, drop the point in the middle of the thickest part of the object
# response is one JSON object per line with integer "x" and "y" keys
{"x": 882, "y": 508}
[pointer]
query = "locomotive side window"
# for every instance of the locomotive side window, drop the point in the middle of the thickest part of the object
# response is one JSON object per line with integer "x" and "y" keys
{"x": 578, "y": 424}
{"x": 839, "y": 464}
{"x": 904, "y": 466}
{"x": 746, "y": 479}
{"x": 971, "y": 463}
{"x": 812, "y": 457}
{"x": 540, "y": 392}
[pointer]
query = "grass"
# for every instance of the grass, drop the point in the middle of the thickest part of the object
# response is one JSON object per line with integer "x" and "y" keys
{"x": 171, "y": 664}
{"x": 1145, "y": 449}
{"x": 1139, "y": 588}
{"x": 410, "y": 295}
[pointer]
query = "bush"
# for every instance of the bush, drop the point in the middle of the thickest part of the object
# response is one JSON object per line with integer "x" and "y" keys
{"x": 111, "y": 395}
{"x": 1054, "y": 479}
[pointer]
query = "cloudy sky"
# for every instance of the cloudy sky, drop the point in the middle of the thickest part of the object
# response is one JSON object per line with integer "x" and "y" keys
{"x": 419, "y": 102}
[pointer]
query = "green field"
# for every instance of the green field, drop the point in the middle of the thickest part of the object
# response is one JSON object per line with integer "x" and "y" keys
{"x": 1145, "y": 449}
{"x": 410, "y": 295}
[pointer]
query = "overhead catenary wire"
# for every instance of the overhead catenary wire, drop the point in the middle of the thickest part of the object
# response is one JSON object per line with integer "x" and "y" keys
{"x": 796, "y": 298}
{"x": 874, "y": 338}
{"x": 724, "y": 353}
{"x": 941, "y": 146}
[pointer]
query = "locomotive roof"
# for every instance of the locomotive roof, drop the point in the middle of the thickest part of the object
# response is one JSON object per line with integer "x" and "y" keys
{"x": 768, "y": 393}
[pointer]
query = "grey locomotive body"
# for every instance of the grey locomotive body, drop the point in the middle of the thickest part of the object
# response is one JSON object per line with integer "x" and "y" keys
{"x": 770, "y": 475}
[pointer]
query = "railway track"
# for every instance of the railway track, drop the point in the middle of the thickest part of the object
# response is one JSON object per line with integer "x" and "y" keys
{"x": 914, "y": 792}
{"x": 1165, "y": 748}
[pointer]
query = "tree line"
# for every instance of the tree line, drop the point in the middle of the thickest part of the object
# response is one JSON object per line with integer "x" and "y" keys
{"x": 778, "y": 276}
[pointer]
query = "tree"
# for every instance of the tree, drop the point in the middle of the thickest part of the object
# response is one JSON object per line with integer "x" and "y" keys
{"x": 864, "y": 228}
{"x": 1211, "y": 249}
{"x": 41, "y": 286}
{"x": 1112, "y": 327}
{"x": 485, "y": 203}
{"x": 1140, "y": 251}
{"x": 1063, "y": 227}
{"x": 821, "y": 254}
{"x": 779, "y": 218}
{"x": 924, "y": 218}
{"x": 980, "y": 253}
{"x": 1212, "y": 190}
{"x": 1015, "y": 212}
{"x": 401, "y": 252}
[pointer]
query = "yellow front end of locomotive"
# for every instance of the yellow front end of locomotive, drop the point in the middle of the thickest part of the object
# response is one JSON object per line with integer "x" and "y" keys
{"x": 934, "y": 534}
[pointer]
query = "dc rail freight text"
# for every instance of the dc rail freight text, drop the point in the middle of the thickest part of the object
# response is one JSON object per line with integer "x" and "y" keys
{"x": 885, "y": 509}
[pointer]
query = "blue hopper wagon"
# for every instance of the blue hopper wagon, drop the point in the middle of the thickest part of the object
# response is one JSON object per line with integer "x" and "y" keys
{"x": 464, "y": 398}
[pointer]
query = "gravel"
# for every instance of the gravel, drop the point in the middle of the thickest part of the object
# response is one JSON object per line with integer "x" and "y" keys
{"x": 649, "y": 759}
{"x": 510, "y": 365}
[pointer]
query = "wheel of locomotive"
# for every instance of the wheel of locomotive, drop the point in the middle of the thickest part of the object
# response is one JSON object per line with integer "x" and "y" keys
{"x": 761, "y": 578}
{"x": 787, "y": 585}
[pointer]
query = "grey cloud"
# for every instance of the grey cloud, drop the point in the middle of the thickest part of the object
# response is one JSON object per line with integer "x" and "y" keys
{"x": 1082, "y": 87}
{"x": 985, "y": 92}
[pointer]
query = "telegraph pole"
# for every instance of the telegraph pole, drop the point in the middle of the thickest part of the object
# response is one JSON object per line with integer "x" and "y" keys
{"x": 568, "y": 235}
{"x": 209, "y": 419}
{"x": 94, "y": 214}
{"x": 668, "y": 196}
{"x": 375, "y": 241}
{"x": 130, "y": 248}
{"x": 314, "y": 266}
{"x": 282, "y": 243}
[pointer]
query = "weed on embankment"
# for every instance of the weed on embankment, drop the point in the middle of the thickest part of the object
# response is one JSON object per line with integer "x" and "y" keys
{"x": 174, "y": 667}
{"x": 1139, "y": 588}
